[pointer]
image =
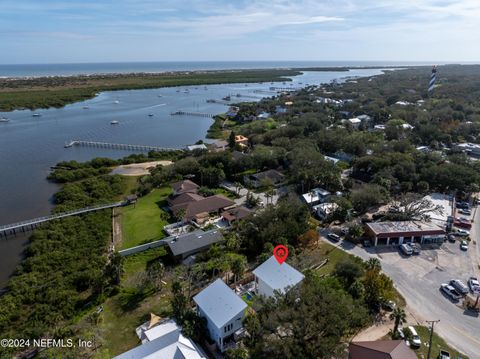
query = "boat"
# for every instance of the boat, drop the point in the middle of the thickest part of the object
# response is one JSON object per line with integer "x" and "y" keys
{"x": 178, "y": 90}
{"x": 150, "y": 114}
{"x": 114, "y": 122}
{"x": 116, "y": 101}
{"x": 205, "y": 88}
{"x": 36, "y": 115}
{"x": 226, "y": 98}
{"x": 4, "y": 119}
{"x": 85, "y": 107}
{"x": 160, "y": 96}
{"x": 186, "y": 91}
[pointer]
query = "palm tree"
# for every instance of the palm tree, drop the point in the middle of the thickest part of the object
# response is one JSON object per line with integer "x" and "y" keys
{"x": 399, "y": 316}
{"x": 374, "y": 264}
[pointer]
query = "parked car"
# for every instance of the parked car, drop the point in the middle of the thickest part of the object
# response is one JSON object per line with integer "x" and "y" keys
{"x": 462, "y": 205}
{"x": 450, "y": 292}
{"x": 406, "y": 249}
{"x": 416, "y": 248}
{"x": 344, "y": 231}
{"x": 443, "y": 354}
{"x": 459, "y": 286}
{"x": 451, "y": 238}
{"x": 367, "y": 243}
{"x": 416, "y": 341}
{"x": 464, "y": 246}
{"x": 474, "y": 285}
{"x": 462, "y": 232}
{"x": 462, "y": 223}
{"x": 465, "y": 211}
{"x": 333, "y": 237}
{"x": 389, "y": 305}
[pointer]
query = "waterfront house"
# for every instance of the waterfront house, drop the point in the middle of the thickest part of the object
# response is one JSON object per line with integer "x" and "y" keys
{"x": 196, "y": 147}
{"x": 271, "y": 277}
{"x": 185, "y": 186}
{"x": 224, "y": 312}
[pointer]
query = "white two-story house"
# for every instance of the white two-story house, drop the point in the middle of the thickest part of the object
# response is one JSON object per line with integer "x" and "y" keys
{"x": 271, "y": 276}
{"x": 224, "y": 312}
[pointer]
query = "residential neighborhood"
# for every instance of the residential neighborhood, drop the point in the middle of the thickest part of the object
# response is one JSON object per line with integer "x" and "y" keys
{"x": 320, "y": 221}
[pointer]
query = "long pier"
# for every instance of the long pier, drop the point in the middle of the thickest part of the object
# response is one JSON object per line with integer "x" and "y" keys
{"x": 7, "y": 229}
{"x": 118, "y": 146}
{"x": 186, "y": 113}
{"x": 284, "y": 88}
{"x": 221, "y": 102}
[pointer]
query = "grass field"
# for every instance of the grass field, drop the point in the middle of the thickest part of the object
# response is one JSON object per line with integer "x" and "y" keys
{"x": 118, "y": 326}
{"x": 437, "y": 344}
{"x": 144, "y": 222}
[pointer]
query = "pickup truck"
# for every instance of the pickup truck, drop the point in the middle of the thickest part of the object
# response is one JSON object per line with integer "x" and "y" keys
{"x": 443, "y": 354}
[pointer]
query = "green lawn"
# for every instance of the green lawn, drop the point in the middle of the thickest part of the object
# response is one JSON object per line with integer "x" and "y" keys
{"x": 143, "y": 222}
{"x": 336, "y": 255}
{"x": 138, "y": 262}
{"x": 225, "y": 193}
{"x": 118, "y": 326}
{"x": 437, "y": 344}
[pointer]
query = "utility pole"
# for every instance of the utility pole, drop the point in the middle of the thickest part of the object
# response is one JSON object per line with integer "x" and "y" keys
{"x": 432, "y": 323}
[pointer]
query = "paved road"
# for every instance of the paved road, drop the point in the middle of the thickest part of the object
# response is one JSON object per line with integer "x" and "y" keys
{"x": 418, "y": 279}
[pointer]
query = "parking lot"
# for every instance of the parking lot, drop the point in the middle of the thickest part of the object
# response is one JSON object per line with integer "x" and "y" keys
{"x": 418, "y": 279}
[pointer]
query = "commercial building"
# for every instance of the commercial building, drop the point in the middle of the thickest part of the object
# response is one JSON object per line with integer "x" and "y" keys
{"x": 395, "y": 233}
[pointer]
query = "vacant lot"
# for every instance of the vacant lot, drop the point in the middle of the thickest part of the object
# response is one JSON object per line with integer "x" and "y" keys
{"x": 144, "y": 222}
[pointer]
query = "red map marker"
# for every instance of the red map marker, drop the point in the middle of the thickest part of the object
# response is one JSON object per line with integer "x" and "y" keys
{"x": 280, "y": 253}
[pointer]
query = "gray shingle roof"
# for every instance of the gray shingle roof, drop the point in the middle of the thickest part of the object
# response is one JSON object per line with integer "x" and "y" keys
{"x": 195, "y": 240}
{"x": 219, "y": 303}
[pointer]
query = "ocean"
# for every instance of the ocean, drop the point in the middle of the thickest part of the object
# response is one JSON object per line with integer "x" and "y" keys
{"x": 38, "y": 70}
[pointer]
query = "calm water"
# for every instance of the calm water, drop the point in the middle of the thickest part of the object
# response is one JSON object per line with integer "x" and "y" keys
{"x": 29, "y": 146}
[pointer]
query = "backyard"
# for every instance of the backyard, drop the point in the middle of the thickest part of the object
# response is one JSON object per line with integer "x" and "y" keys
{"x": 144, "y": 222}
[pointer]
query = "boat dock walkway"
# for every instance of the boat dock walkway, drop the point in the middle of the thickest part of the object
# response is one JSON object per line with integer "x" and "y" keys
{"x": 186, "y": 113}
{"x": 8, "y": 229}
{"x": 118, "y": 146}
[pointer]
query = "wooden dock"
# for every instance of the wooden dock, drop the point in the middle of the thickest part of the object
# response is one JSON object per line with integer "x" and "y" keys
{"x": 118, "y": 146}
{"x": 186, "y": 113}
{"x": 10, "y": 229}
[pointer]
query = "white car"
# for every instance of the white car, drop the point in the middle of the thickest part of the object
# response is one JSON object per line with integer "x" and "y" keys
{"x": 464, "y": 246}
{"x": 463, "y": 232}
{"x": 474, "y": 285}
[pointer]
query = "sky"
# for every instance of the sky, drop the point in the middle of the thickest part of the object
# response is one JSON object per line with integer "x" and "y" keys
{"x": 70, "y": 31}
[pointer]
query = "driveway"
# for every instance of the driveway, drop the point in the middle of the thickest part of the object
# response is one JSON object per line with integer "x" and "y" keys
{"x": 418, "y": 279}
{"x": 242, "y": 192}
